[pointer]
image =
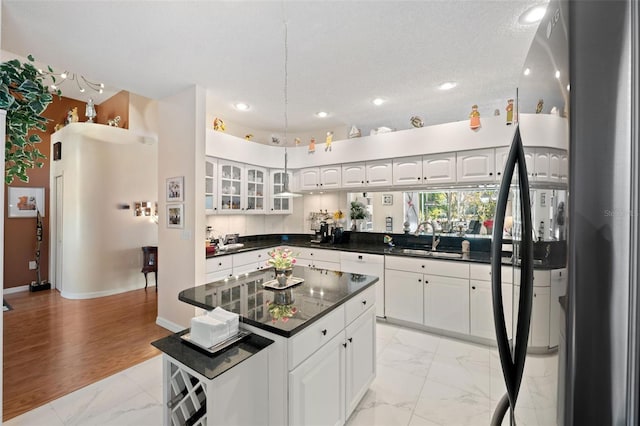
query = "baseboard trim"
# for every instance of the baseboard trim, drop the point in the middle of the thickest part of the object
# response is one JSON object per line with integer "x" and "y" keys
{"x": 95, "y": 294}
{"x": 169, "y": 325}
{"x": 18, "y": 289}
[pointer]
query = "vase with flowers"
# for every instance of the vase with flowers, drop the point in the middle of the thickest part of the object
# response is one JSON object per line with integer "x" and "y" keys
{"x": 282, "y": 260}
{"x": 358, "y": 211}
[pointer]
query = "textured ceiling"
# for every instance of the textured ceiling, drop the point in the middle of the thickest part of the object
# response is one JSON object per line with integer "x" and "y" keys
{"x": 341, "y": 55}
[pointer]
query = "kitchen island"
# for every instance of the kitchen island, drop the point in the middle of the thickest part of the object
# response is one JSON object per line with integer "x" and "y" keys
{"x": 320, "y": 355}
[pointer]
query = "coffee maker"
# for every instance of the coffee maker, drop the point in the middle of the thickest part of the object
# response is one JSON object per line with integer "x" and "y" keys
{"x": 323, "y": 234}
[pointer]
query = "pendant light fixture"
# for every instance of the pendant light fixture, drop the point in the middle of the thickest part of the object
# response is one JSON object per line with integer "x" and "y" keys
{"x": 286, "y": 192}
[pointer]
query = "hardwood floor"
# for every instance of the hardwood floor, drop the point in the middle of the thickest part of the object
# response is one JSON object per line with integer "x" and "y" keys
{"x": 53, "y": 346}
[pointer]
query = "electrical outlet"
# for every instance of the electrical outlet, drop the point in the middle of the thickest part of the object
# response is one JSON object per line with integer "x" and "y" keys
{"x": 32, "y": 264}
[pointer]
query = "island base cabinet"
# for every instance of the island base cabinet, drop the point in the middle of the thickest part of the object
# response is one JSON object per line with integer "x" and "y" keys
{"x": 317, "y": 387}
{"x": 446, "y": 303}
{"x": 192, "y": 399}
{"x": 481, "y": 309}
{"x": 361, "y": 358}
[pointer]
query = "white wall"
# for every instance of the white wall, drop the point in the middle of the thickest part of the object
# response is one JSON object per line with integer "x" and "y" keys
{"x": 181, "y": 152}
{"x": 101, "y": 243}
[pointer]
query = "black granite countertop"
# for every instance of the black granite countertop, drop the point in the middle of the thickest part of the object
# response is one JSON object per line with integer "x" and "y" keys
{"x": 372, "y": 248}
{"x": 282, "y": 312}
{"x": 207, "y": 364}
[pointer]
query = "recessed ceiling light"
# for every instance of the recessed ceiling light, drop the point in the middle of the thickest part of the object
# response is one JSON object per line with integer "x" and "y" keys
{"x": 447, "y": 85}
{"x": 557, "y": 74}
{"x": 321, "y": 114}
{"x": 527, "y": 71}
{"x": 241, "y": 106}
{"x": 533, "y": 14}
{"x": 378, "y": 101}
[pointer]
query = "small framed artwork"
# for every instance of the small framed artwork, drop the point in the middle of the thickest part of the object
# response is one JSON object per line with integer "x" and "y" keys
{"x": 175, "y": 189}
{"x": 387, "y": 199}
{"x": 23, "y": 202}
{"x": 543, "y": 199}
{"x": 57, "y": 151}
{"x": 175, "y": 216}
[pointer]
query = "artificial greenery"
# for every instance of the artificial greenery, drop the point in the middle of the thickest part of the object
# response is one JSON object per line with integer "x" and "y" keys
{"x": 24, "y": 96}
{"x": 358, "y": 210}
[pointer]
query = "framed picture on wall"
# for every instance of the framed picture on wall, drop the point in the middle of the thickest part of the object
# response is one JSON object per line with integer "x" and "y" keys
{"x": 175, "y": 215}
{"x": 23, "y": 201}
{"x": 387, "y": 199}
{"x": 175, "y": 189}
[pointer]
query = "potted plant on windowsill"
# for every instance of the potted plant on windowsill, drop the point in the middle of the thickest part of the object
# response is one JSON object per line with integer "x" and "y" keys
{"x": 24, "y": 96}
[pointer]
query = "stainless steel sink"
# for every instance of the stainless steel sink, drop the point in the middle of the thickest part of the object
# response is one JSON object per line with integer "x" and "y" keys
{"x": 429, "y": 253}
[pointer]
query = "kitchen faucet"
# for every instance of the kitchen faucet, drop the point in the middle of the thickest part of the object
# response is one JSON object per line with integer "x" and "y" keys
{"x": 436, "y": 239}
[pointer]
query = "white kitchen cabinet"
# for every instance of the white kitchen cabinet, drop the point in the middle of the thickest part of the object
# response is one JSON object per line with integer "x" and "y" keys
{"x": 317, "y": 387}
{"x": 564, "y": 167}
{"x": 279, "y": 205}
{"x": 404, "y": 295}
{"x": 327, "y": 386}
{"x": 373, "y": 173}
{"x": 230, "y": 187}
{"x": 210, "y": 187}
{"x": 218, "y": 267}
{"x": 309, "y": 179}
{"x": 354, "y": 175}
{"x": 361, "y": 359}
{"x": 446, "y": 303}
{"x": 539, "y": 329}
{"x": 407, "y": 171}
{"x": 256, "y": 189}
{"x": 318, "y": 258}
{"x": 502, "y": 154}
{"x": 476, "y": 166}
{"x": 481, "y": 309}
{"x": 250, "y": 261}
{"x": 539, "y": 165}
{"x": 555, "y": 165}
{"x": 315, "y": 178}
{"x": 330, "y": 177}
{"x": 439, "y": 168}
{"x": 367, "y": 264}
{"x": 379, "y": 173}
{"x": 558, "y": 288}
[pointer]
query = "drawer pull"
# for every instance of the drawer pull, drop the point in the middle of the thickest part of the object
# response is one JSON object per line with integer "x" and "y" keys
{"x": 422, "y": 266}
{"x": 426, "y": 282}
{"x": 219, "y": 263}
{"x": 344, "y": 344}
{"x": 364, "y": 302}
{"x": 473, "y": 287}
{"x": 360, "y": 257}
{"x": 419, "y": 280}
{"x": 350, "y": 339}
{"x": 324, "y": 332}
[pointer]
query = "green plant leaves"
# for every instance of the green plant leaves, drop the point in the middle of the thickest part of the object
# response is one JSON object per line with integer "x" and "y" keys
{"x": 25, "y": 98}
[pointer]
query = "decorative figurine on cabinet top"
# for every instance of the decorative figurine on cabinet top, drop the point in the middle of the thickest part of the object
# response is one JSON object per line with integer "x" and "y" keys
{"x": 72, "y": 116}
{"x": 474, "y": 118}
{"x": 509, "y": 110}
{"x": 312, "y": 146}
{"x": 354, "y": 132}
{"x": 539, "y": 106}
{"x": 114, "y": 122}
{"x": 327, "y": 144}
{"x": 218, "y": 125}
{"x": 417, "y": 121}
{"x": 297, "y": 141}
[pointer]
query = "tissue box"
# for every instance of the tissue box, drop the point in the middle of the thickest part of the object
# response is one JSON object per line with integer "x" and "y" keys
{"x": 207, "y": 331}
{"x": 231, "y": 320}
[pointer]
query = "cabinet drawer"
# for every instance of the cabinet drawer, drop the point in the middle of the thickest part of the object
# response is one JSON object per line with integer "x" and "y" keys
{"x": 369, "y": 259}
{"x": 303, "y": 344}
{"x": 215, "y": 264}
{"x": 246, "y": 258}
{"x": 483, "y": 273}
{"x": 540, "y": 278}
{"x": 359, "y": 304}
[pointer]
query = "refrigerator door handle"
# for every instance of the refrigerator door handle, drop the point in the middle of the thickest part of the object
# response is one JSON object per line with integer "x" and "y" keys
{"x": 512, "y": 363}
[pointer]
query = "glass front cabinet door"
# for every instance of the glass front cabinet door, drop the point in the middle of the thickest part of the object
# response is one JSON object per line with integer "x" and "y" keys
{"x": 256, "y": 182}
{"x": 231, "y": 185}
{"x": 279, "y": 205}
{"x": 210, "y": 187}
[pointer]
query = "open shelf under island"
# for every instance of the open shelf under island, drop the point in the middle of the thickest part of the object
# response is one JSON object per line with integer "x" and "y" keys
{"x": 312, "y": 361}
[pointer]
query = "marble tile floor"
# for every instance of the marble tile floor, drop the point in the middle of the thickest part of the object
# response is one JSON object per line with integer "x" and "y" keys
{"x": 422, "y": 380}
